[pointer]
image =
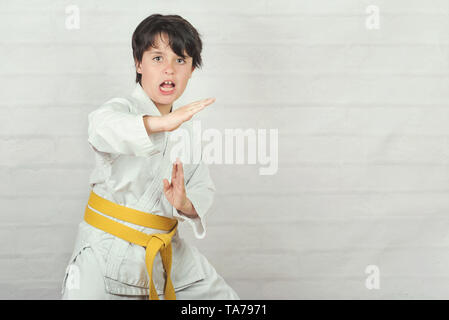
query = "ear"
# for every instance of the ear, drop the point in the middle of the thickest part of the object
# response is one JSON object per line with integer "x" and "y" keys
{"x": 138, "y": 66}
{"x": 193, "y": 69}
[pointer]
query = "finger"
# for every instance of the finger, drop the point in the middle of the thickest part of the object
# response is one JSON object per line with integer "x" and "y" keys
{"x": 166, "y": 185}
{"x": 177, "y": 182}
{"x": 207, "y": 100}
{"x": 201, "y": 106}
{"x": 202, "y": 102}
{"x": 180, "y": 173}
{"x": 180, "y": 178}
{"x": 178, "y": 168}
{"x": 173, "y": 172}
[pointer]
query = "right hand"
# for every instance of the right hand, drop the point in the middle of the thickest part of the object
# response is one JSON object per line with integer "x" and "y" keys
{"x": 175, "y": 118}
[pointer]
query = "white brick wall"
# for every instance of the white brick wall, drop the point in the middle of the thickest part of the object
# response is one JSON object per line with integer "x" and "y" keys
{"x": 363, "y": 140}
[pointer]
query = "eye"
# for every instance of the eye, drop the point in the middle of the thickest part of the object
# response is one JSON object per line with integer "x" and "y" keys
{"x": 183, "y": 61}
{"x": 157, "y": 57}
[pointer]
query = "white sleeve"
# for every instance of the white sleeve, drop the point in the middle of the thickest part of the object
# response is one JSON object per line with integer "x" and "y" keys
{"x": 114, "y": 129}
{"x": 200, "y": 190}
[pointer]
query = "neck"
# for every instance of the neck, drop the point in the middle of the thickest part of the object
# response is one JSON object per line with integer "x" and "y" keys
{"x": 164, "y": 108}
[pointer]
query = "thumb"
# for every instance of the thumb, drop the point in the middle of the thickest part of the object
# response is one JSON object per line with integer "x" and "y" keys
{"x": 166, "y": 184}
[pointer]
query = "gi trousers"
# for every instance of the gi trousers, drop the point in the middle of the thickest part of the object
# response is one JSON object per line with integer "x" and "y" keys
{"x": 90, "y": 283}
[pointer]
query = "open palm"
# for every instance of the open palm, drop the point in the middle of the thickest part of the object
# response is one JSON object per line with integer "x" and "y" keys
{"x": 174, "y": 119}
{"x": 175, "y": 191}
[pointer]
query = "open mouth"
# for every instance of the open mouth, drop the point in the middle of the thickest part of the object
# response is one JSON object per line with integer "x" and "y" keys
{"x": 167, "y": 86}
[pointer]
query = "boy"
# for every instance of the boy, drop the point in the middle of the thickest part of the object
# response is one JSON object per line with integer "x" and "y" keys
{"x": 128, "y": 246}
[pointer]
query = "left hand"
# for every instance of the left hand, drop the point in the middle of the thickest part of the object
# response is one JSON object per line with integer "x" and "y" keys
{"x": 175, "y": 191}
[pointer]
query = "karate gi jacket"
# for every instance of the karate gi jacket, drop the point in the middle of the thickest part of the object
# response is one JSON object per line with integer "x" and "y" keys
{"x": 130, "y": 168}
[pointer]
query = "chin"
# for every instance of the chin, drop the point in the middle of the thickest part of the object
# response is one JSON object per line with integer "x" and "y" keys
{"x": 168, "y": 99}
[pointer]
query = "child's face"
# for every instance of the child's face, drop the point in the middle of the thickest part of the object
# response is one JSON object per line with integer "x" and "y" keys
{"x": 160, "y": 64}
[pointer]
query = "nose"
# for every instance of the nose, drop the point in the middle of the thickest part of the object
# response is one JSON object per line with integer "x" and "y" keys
{"x": 168, "y": 69}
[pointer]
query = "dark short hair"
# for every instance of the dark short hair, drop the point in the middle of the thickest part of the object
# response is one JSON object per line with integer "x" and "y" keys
{"x": 182, "y": 37}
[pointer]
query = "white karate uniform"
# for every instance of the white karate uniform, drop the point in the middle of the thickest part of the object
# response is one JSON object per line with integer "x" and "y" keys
{"x": 130, "y": 167}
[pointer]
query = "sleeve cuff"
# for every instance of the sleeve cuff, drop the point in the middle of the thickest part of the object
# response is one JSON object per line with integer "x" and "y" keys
{"x": 198, "y": 224}
{"x": 120, "y": 132}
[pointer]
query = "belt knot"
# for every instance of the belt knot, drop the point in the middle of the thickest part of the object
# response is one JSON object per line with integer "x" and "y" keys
{"x": 163, "y": 238}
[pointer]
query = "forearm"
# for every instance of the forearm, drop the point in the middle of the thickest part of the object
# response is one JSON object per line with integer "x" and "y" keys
{"x": 153, "y": 124}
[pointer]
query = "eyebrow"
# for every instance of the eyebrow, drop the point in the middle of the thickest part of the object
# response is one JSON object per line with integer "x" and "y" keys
{"x": 160, "y": 52}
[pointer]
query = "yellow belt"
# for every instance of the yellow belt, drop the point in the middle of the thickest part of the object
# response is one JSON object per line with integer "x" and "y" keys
{"x": 153, "y": 242}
